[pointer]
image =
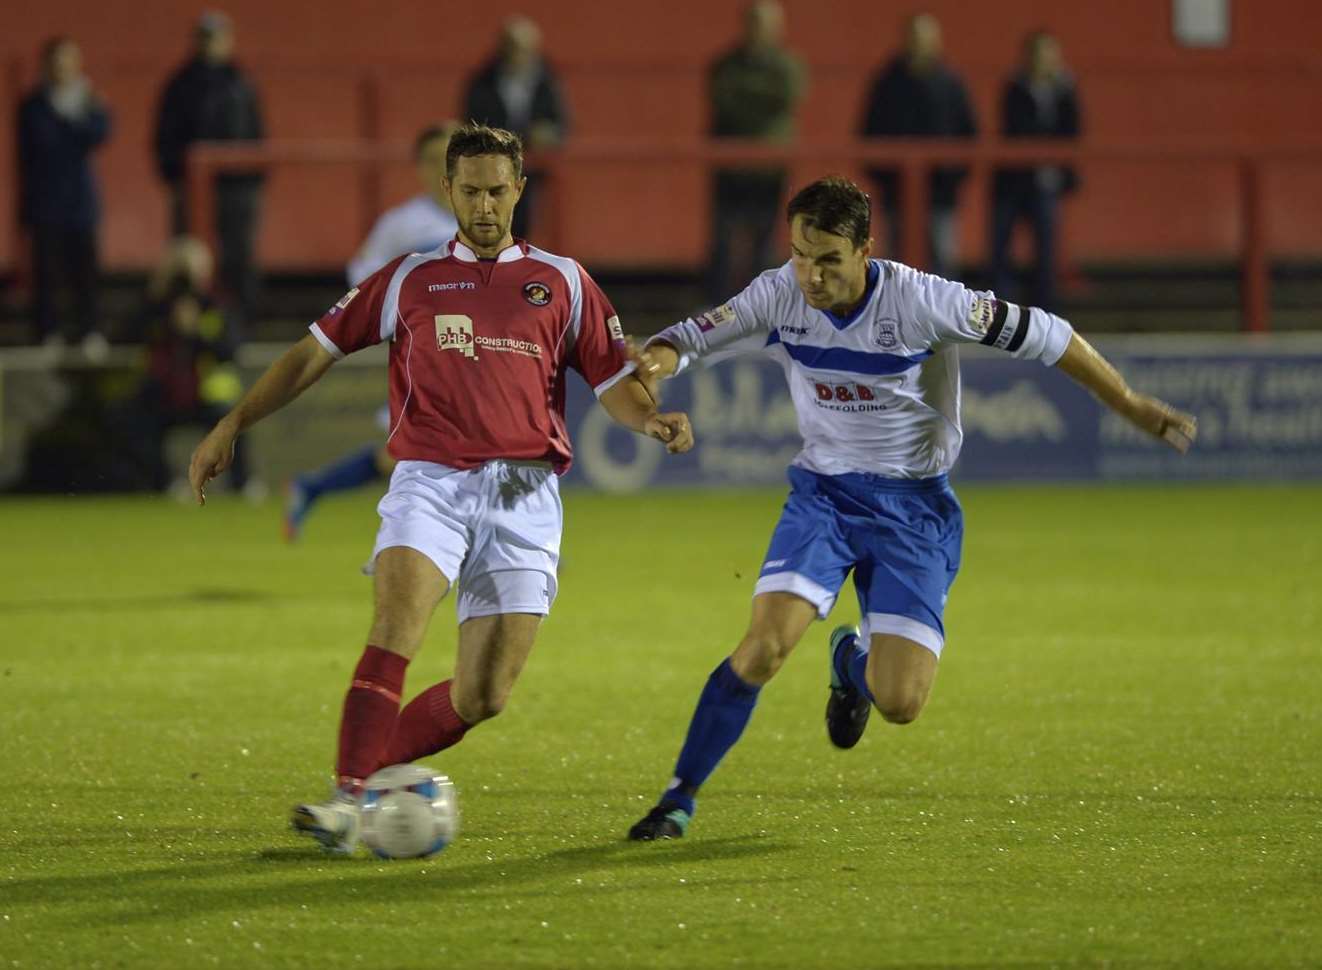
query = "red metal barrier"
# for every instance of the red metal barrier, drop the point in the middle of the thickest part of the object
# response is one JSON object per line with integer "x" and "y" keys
{"x": 914, "y": 157}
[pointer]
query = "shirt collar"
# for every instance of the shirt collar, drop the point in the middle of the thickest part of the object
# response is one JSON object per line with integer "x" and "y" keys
{"x": 874, "y": 274}
{"x": 517, "y": 250}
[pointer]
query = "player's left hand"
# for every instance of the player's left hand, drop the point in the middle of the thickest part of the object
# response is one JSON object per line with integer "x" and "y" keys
{"x": 1176, "y": 428}
{"x": 647, "y": 369}
{"x": 673, "y": 429}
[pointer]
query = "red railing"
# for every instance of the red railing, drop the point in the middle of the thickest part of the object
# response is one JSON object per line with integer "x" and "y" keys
{"x": 913, "y": 157}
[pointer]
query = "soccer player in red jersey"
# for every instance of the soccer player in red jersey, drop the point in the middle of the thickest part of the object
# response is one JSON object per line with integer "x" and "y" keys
{"x": 482, "y": 332}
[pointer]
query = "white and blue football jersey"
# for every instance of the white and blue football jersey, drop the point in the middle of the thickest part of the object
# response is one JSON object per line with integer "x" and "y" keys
{"x": 417, "y": 226}
{"x": 877, "y": 391}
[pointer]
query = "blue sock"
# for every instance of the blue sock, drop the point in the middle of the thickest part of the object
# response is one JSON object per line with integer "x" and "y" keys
{"x": 723, "y": 711}
{"x": 851, "y": 663}
{"x": 352, "y": 470}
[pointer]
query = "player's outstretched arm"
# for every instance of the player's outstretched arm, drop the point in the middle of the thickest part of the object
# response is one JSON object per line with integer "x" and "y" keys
{"x": 1082, "y": 362}
{"x": 629, "y": 403}
{"x": 297, "y": 369}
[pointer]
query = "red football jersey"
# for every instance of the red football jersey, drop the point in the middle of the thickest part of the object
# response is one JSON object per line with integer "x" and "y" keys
{"x": 479, "y": 349}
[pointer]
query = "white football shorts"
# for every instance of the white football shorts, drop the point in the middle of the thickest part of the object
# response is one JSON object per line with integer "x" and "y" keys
{"x": 494, "y": 531}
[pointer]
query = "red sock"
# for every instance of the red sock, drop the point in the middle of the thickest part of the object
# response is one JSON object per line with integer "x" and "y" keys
{"x": 427, "y": 724}
{"x": 370, "y": 710}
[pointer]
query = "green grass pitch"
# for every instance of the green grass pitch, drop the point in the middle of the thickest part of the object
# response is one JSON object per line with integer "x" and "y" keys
{"x": 1121, "y": 764}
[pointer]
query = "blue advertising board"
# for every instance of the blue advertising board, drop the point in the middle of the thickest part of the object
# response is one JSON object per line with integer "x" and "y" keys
{"x": 1258, "y": 403}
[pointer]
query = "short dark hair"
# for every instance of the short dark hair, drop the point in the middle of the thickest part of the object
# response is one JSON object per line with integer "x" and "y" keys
{"x": 836, "y": 205}
{"x": 429, "y": 135}
{"x": 51, "y": 48}
{"x": 473, "y": 139}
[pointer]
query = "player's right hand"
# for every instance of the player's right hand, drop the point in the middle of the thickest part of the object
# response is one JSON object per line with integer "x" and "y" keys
{"x": 674, "y": 429}
{"x": 210, "y": 458}
{"x": 1174, "y": 427}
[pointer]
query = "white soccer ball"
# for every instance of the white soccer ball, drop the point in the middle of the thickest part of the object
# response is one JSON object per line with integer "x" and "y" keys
{"x": 409, "y": 812}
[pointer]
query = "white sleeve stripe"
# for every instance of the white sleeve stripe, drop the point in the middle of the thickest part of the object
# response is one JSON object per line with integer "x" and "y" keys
{"x": 614, "y": 379}
{"x": 1056, "y": 339}
{"x": 390, "y": 307}
{"x": 326, "y": 342}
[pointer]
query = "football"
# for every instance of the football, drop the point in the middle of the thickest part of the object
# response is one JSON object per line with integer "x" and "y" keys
{"x": 409, "y": 812}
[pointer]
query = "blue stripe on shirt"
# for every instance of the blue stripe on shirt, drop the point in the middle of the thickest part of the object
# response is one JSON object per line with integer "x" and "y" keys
{"x": 851, "y": 361}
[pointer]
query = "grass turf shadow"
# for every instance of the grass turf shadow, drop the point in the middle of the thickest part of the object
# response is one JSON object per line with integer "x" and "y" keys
{"x": 165, "y": 893}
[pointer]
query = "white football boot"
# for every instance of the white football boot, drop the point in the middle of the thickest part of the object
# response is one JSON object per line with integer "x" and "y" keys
{"x": 335, "y": 823}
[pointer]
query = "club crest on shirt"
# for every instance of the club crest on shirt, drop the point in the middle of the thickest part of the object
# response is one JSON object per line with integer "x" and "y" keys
{"x": 715, "y": 317}
{"x": 344, "y": 301}
{"x": 538, "y": 294}
{"x": 982, "y": 313}
{"x": 887, "y": 336}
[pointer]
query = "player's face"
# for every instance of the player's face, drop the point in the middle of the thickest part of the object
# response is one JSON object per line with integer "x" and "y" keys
{"x": 431, "y": 168}
{"x": 483, "y": 193}
{"x": 830, "y": 270}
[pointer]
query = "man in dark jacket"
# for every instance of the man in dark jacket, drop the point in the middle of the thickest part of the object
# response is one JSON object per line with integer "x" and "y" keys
{"x": 211, "y": 99}
{"x": 1039, "y": 102}
{"x": 60, "y": 124}
{"x": 753, "y": 91}
{"x": 917, "y": 95}
{"x": 517, "y": 90}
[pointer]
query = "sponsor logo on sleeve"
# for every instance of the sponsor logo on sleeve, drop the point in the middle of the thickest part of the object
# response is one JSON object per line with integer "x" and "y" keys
{"x": 344, "y": 301}
{"x": 715, "y": 317}
{"x": 536, "y": 293}
{"x": 614, "y": 329}
{"x": 982, "y": 313}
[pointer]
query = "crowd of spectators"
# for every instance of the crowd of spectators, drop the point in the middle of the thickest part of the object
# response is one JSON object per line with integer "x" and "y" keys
{"x": 753, "y": 92}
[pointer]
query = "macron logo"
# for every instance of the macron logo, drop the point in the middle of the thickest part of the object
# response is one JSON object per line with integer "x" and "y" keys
{"x": 438, "y": 287}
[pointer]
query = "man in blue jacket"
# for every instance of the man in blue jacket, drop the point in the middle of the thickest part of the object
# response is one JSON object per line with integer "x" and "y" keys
{"x": 210, "y": 98}
{"x": 60, "y": 123}
{"x": 1039, "y": 101}
{"x": 517, "y": 90}
{"x": 918, "y": 95}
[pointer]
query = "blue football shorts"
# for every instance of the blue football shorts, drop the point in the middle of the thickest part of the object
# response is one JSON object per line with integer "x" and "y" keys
{"x": 900, "y": 537}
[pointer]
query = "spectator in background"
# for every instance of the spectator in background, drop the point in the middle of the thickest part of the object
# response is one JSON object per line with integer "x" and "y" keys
{"x": 753, "y": 91}
{"x": 211, "y": 99}
{"x": 1039, "y": 102}
{"x": 423, "y": 222}
{"x": 917, "y": 95}
{"x": 190, "y": 376}
{"x": 517, "y": 90}
{"x": 60, "y": 124}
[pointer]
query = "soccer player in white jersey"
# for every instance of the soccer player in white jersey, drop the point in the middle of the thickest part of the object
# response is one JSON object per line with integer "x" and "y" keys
{"x": 870, "y": 351}
{"x": 423, "y": 223}
{"x": 482, "y": 333}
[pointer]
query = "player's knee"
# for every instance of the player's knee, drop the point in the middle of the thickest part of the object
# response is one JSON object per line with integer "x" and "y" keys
{"x": 900, "y": 706}
{"x": 760, "y": 655}
{"x": 481, "y": 705}
{"x": 398, "y": 630}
